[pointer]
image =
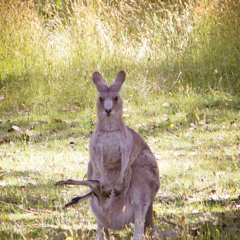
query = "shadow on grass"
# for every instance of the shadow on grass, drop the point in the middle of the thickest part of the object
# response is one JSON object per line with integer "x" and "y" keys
{"x": 59, "y": 129}
{"x": 221, "y": 224}
{"x": 32, "y": 193}
{"x": 43, "y": 131}
{"x": 27, "y": 189}
{"x": 59, "y": 234}
{"x": 206, "y": 225}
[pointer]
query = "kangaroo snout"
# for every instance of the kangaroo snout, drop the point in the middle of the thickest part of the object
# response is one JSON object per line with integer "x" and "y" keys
{"x": 108, "y": 105}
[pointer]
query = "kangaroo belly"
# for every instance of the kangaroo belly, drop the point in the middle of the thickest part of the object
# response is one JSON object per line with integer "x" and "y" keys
{"x": 114, "y": 213}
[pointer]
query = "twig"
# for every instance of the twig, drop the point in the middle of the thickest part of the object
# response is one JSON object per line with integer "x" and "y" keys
{"x": 203, "y": 189}
{"x": 15, "y": 205}
{"x": 3, "y": 174}
{"x": 26, "y": 210}
{"x": 184, "y": 196}
{"x": 20, "y": 231}
{"x": 171, "y": 223}
{"x": 175, "y": 81}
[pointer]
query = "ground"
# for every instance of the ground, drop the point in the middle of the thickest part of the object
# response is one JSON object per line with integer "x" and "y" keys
{"x": 197, "y": 147}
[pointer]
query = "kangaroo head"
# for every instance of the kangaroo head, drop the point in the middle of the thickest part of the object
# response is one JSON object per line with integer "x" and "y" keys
{"x": 109, "y": 100}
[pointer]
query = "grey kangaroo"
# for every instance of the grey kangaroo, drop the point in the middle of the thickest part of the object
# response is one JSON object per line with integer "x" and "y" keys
{"x": 122, "y": 172}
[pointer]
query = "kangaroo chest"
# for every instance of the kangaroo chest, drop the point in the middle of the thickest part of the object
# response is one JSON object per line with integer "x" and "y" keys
{"x": 111, "y": 145}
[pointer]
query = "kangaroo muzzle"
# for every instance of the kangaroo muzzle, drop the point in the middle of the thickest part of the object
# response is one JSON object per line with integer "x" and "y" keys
{"x": 108, "y": 105}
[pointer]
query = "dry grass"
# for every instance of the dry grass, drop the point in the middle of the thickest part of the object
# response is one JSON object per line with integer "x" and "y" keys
{"x": 49, "y": 50}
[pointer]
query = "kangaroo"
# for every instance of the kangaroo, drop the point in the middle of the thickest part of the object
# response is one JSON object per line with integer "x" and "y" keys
{"x": 122, "y": 172}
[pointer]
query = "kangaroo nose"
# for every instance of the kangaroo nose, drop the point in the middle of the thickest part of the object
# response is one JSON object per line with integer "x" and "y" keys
{"x": 108, "y": 111}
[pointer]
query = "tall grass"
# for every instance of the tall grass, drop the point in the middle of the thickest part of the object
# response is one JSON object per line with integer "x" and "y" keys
{"x": 49, "y": 49}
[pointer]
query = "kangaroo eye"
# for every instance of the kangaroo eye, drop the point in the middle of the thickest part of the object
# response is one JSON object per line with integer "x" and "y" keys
{"x": 115, "y": 99}
{"x": 100, "y": 99}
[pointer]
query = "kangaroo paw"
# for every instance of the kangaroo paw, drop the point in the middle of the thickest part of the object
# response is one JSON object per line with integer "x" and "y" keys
{"x": 65, "y": 182}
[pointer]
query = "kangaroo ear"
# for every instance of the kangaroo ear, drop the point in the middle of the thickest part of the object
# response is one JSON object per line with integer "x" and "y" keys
{"x": 99, "y": 81}
{"x": 117, "y": 84}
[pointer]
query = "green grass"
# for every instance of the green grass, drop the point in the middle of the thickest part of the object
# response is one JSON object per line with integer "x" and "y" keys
{"x": 199, "y": 169}
{"x": 162, "y": 46}
{"x": 181, "y": 94}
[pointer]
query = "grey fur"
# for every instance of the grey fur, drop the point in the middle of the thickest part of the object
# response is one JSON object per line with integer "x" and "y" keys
{"x": 123, "y": 164}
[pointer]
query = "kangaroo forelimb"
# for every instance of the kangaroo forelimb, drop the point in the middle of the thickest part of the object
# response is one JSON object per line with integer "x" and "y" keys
{"x": 79, "y": 199}
{"x": 97, "y": 190}
{"x": 90, "y": 183}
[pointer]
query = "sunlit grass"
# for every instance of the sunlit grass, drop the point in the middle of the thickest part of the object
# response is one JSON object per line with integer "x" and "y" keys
{"x": 198, "y": 161}
{"x": 181, "y": 94}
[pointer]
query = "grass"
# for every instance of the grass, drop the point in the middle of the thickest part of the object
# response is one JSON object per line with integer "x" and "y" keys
{"x": 199, "y": 161}
{"x": 162, "y": 46}
{"x": 181, "y": 95}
